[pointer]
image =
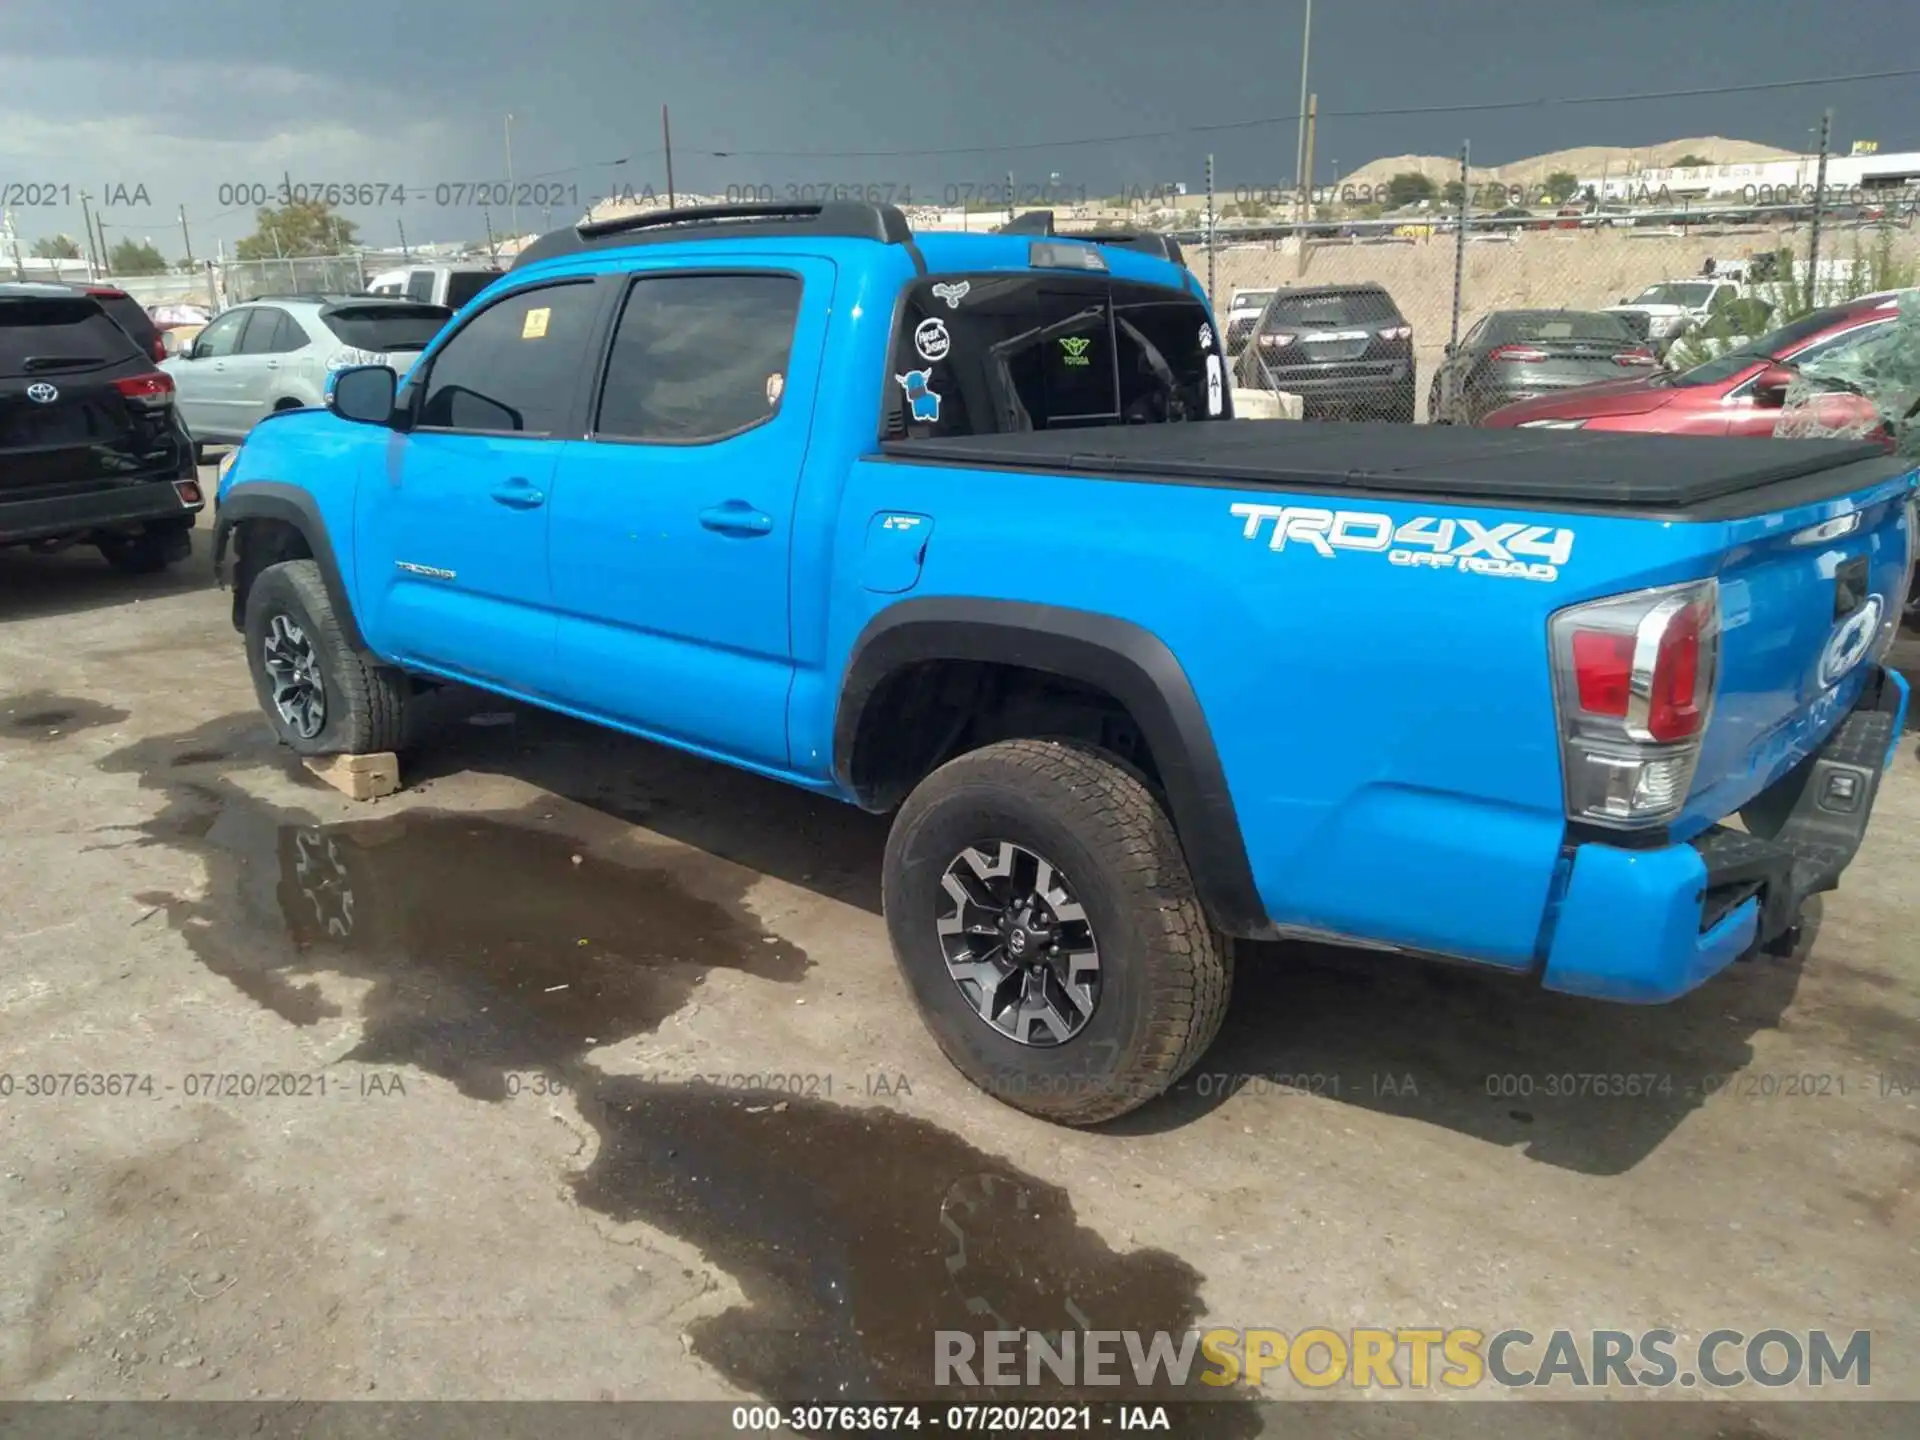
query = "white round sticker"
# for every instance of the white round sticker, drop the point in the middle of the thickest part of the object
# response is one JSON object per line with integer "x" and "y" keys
{"x": 930, "y": 338}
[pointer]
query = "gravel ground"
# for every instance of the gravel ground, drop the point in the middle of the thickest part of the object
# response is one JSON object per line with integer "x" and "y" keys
{"x": 421, "y": 1110}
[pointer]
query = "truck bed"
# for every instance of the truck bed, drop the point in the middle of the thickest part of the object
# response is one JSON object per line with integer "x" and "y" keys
{"x": 1668, "y": 476}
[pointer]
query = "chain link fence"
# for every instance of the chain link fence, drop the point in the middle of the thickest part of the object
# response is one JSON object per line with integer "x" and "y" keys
{"x": 242, "y": 280}
{"x": 1388, "y": 299}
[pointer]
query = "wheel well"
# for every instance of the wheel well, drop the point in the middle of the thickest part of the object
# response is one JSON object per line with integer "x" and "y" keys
{"x": 925, "y": 713}
{"x": 288, "y": 403}
{"x": 257, "y": 544}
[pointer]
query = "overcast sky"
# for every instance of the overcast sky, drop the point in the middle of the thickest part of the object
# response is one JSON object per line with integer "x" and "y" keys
{"x": 202, "y": 94}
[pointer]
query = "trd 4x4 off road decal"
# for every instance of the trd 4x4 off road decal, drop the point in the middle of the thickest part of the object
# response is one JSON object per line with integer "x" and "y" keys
{"x": 1515, "y": 551}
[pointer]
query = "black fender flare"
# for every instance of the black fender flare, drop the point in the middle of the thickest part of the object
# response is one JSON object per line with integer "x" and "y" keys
{"x": 274, "y": 500}
{"x": 1128, "y": 662}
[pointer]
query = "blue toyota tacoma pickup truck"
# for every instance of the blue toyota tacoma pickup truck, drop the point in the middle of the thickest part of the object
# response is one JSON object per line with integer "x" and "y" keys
{"x": 962, "y": 527}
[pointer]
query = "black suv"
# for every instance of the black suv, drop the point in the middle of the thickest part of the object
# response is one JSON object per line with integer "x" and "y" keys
{"x": 92, "y": 450}
{"x": 1345, "y": 350}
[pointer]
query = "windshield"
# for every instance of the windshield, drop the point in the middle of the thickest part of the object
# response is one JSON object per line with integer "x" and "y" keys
{"x": 385, "y": 328}
{"x": 1338, "y": 310}
{"x": 1774, "y": 342}
{"x": 1690, "y": 296}
{"x": 40, "y": 335}
{"x": 1880, "y": 364}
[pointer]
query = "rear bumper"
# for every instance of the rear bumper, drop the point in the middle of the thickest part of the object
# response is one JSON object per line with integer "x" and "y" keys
{"x": 110, "y": 509}
{"x": 1646, "y": 926}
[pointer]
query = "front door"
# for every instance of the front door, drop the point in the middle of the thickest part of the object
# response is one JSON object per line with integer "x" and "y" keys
{"x": 206, "y": 386}
{"x": 673, "y": 521}
{"x": 452, "y": 519}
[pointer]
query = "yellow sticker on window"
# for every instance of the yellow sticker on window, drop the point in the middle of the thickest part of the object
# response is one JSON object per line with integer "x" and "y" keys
{"x": 535, "y": 325}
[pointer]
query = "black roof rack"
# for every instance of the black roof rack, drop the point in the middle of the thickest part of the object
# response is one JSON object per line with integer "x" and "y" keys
{"x": 1041, "y": 222}
{"x": 853, "y": 218}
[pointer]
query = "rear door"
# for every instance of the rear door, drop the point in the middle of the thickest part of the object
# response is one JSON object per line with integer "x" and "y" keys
{"x": 673, "y": 521}
{"x": 255, "y": 366}
{"x": 66, "y": 425}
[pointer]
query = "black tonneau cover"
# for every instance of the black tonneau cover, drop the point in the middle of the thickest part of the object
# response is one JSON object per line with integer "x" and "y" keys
{"x": 1541, "y": 467}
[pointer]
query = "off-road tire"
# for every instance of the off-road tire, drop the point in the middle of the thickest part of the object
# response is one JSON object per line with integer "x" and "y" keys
{"x": 1165, "y": 975}
{"x": 365, "y": 702}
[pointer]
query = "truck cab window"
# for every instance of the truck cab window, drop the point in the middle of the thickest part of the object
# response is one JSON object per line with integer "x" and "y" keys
{"x": 1038, "y": 352}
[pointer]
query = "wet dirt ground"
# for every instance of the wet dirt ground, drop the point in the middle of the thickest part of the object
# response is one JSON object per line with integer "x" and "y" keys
{"x": 581, "y": 1070}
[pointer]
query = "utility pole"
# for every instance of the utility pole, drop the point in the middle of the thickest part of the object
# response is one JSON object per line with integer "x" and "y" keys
{"x": 185, "y": 238}
{"x": 86, "y": 226}
{"x": 1306, "y": 182}
{"x": 19, "y": 265}
{"x": 1460, "y": 247}
{"x": 1210, "y": 225}
{"x": 666, "y": 141}
{"x": 1306, "y": 49}
{"x": 493, "y": 249}
{"x": 513, "y": 201}
{"x": 1819, "y": 195}
{"x": 1009, "y": 197}
{"x": 405, "y": 253}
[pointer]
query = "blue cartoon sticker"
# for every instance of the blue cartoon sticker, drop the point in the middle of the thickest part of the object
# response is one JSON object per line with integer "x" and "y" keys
{"x": 925, "y": 404}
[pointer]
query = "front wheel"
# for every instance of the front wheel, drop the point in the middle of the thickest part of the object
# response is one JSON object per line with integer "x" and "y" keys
{"x": 320, "y": 694}
{"x": 1042, "y": 914}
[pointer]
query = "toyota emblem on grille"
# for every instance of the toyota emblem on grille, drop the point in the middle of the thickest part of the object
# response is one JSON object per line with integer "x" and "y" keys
{"x": 43, "y": 393}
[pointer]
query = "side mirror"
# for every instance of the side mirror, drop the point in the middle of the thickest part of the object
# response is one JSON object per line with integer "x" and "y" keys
{"x": 363, "y": 393}
{"x": 1770, "y": 388}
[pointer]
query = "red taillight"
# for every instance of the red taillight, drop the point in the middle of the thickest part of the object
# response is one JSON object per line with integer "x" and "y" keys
{"x": 1673, "y": 706}
{"x": 1522, "y": 354}
{"x": 188, "y": 491}
{"x": 152, "y": 389}
{"x": 1635, "y": 677}
{"x": 1602, "y": 671}
{"x": 1635, "y": 357}
{"x": 1276, "y": 340}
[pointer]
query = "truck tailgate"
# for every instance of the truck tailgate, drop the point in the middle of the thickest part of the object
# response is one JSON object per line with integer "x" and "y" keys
{"x": 1809, "y": 596}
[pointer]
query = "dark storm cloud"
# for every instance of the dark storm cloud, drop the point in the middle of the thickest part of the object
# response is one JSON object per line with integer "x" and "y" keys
{"x": 585, "y": 80}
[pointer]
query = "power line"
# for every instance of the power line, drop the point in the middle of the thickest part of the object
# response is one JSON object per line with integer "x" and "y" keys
{"x": 1543, "y": 102}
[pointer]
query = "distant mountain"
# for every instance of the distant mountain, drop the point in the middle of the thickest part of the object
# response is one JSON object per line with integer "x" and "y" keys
{"x": 1585, "y": 161}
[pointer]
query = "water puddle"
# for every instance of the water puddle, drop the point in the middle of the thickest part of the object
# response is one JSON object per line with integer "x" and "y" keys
{"x": 493, "y": 944}
{"x": 40, "y": 715}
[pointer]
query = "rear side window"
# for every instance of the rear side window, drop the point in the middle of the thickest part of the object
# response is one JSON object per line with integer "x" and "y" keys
{"x": 267, "y": 333}
{"x": 39, "y": 336}
{"x": 699, "y": 357}
{"x": 514, "y": 367}
{"x": 385, "y": 328}
{"x": 126, "y": 312}
{"x": 999, "y": 353}
{"x": 1339, "y": 310}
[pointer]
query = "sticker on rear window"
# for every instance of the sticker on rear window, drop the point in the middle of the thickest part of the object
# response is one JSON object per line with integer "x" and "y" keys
{"x": 1467, "y": 547}
{"x": 1214, "y": 399}
{"x": 930, "y": 338}
{"x": 535, "y": 325}
{"x": 953, "y": 293}
{"x": 924, "y": 402}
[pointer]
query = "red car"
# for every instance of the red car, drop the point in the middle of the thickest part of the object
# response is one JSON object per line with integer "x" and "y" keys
{"x": 1741, "y": 393}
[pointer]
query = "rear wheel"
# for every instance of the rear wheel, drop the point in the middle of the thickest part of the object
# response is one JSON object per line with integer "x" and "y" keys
{"x": 1042, "y": 914}
{"x": 320, "y": 694}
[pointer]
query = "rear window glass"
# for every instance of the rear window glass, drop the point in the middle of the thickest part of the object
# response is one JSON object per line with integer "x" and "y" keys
{"x": 1558, "y": 325}
{"x": 998, "y": 353}
{"x": 47, "y": 335}
{"x": 463, "y": 287}
{"x": 385, "y": 328}
{"x": 1342, "y": 308}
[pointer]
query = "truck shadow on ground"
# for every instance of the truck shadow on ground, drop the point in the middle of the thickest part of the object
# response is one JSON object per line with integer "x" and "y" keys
{"x": 72, "y": 581}
{"x": 1583, "y": 1085}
